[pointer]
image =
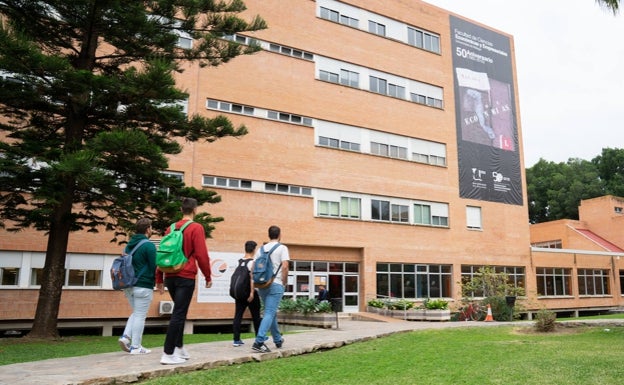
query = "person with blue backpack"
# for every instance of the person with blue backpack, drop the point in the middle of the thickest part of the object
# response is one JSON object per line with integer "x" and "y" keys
{"x": 139, "y": 295}
{"x": 271, "y": 290}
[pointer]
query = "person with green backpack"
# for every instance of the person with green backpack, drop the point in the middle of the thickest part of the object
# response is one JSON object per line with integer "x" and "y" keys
{"x": 180, "y": 280}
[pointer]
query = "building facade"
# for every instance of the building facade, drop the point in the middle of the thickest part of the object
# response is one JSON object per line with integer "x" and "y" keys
{"x": 384, "y": 139}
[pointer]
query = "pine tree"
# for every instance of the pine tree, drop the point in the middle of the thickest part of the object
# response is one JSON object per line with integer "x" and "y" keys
{"x": 89, "y": 113}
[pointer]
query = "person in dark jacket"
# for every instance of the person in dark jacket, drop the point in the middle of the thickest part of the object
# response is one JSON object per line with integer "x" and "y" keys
{"x": 323, "y": 294}
{"x": 141, "y": 294}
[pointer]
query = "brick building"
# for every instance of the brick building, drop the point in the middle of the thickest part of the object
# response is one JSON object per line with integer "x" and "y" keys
{"x": 384, "y": 139}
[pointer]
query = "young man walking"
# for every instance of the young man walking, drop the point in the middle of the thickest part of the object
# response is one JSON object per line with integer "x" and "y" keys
{"x": 181, "y": 285}
{"x": 252, "y": 302}
{"x": 272, "y": 295}
{"x": 141, "y": 294}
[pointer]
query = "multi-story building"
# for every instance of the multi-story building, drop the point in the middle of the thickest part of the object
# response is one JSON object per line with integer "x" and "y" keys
{"x": 384, "y": 139}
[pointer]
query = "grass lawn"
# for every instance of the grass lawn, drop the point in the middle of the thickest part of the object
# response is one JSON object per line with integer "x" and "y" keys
{"x": 500, "y": 355}
{"x": 494, "y": 355}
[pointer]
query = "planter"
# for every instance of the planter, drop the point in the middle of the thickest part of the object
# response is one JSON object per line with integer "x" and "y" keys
{"x": 409, "y": 315}
{"x": 438, "y": 315}
{"x": 377, "y": 310}
{"x": 319, "y": 320}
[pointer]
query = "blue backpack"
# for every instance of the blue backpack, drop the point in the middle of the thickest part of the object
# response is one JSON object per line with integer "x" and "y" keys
{"x": 122, "y": 271}
{"x": 263, "y": 268}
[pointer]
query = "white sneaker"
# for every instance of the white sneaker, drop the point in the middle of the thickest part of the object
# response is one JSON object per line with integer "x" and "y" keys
{"x": 124, "y": 343}
{"x": 139, "y": 350}
{"x": 182, "y": 353}
{"x": 170, "y": 359}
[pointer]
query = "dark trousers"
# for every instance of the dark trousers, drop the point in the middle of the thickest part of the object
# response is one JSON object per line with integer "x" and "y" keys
{"x": 254, "y": 309}
{"x": 181, "y": 292}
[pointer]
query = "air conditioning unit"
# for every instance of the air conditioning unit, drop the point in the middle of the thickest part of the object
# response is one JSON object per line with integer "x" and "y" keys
{"x": 165, "y": 307}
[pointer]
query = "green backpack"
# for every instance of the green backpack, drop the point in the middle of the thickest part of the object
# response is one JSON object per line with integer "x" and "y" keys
{"x": 170, "y": 256}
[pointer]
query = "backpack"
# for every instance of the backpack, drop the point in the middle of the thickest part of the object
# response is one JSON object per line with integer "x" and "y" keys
{"x": 170, "y": 256}
{"x": 122, "y": 271}
{"x": 263, "y": 268}
{"x": 240, "y": 281}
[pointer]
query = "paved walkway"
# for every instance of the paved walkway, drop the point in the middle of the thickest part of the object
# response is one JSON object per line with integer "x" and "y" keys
{"x": 120, "y": 367}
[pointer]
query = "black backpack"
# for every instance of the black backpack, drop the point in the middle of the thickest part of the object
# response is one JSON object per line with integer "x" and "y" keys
{"x": 240, "y": 281}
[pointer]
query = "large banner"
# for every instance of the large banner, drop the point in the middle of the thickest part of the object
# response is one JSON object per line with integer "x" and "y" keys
{"x": 487, "y": 129}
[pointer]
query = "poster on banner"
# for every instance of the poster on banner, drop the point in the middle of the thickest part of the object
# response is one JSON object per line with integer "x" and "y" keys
{"x": 486, "y": 118}
{"x": 222, "y": 267}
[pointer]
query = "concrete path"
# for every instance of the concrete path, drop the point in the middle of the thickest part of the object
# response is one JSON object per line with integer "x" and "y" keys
{"x": 120, "y": 367}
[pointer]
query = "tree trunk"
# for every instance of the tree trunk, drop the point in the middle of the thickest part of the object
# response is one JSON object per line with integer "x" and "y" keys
{"x": 45, "y": 324}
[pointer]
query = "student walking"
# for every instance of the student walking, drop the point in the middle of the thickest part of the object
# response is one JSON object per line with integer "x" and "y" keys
{"x": 272, "y": 295}
{"x": 252, "y": 301}
{"x": 141, "y": 294}
{"x": 181, "y": 285}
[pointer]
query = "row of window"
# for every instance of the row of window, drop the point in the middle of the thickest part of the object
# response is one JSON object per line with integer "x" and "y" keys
{"x": 422, "y": 151}
{"x": 556, "y": 244}
{"x": 346, "y": 15}
{"x": 435, "y": 281}
{"x": 245, "y": 184}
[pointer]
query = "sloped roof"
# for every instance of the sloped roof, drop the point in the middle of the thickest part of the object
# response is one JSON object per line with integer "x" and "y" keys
{"x": 599, "y": 240}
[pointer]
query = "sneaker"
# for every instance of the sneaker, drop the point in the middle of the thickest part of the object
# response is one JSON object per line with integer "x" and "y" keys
{"x": 182, "y": 353}
{"x": 170, "y": 359}
{"x": 139, "y": 350}
{"x": 260, "y": 347}
{"x": 279, "y": 343}
{"x": 124, "y": 343}
{"x": 238, "y": 343}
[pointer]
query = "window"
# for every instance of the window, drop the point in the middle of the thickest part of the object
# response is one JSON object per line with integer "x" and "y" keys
{"x": 350, "y": 78}
{"x": 329, "y": 76}
{"x": 83, "y": 277}
{"x": 9, "y": 276}
{"x": 287, "y": 189}
{"x": 473, "y": 217}
{"x": 622, "y": 282}
{"x": 327, "y": 208}
{"x": 380, "y": 210}
{"x": 422, "y": 214}
{"x": 229, "y": 107}
{"x": 553, "y": 281}
{"x": 593, "y": 282}
{"x": 329, "y": 14}
{"x": 555, "y": 244}
{"x": 618, "y": 210}
{"x": 208, "y": 180}
{"x": 426, "y": 100}
{"x": 378, "y": 85}
{"x": 424, "y": 40}
{"x": 396, "y": 91}
{"x": 351, "y": 22}
{"x": 289, "y": 118}
{"x": 350, "y": 207}
{"x": 398, "y": 280}
{"x": 376, "y": 28}
{"x": 400, "y": 213}
{"x": 515, "y": 275}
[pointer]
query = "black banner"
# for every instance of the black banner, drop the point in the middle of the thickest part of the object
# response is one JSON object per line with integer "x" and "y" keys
{"x": 487, "y": 128}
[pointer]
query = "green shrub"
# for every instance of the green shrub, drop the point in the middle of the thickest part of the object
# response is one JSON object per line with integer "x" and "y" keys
{"x": 400, "y": 304}
{"x": 436, "y": 304}
{"x": 304, "y": 306}
{"x": 376, "y": 302}
{"x": 545, "y": 321}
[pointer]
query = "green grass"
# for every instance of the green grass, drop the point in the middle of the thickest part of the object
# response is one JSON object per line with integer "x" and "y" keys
{"x": 14, "y": 350}
{"x": 500, "y": 355}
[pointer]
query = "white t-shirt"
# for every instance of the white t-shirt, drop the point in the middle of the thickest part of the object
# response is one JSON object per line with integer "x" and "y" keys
{"x": 278, "y": 255}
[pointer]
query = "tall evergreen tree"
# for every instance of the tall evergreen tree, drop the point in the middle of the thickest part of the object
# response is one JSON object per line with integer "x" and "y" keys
{"x": 89, "y": 112}
{"x": 612, "y": 5}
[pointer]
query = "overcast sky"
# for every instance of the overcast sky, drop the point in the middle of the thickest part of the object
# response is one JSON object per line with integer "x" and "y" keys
{"x": 570, "y": 66}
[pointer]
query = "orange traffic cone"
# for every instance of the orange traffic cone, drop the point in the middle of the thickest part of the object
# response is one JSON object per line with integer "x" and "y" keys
{"x": 489, "y": 317}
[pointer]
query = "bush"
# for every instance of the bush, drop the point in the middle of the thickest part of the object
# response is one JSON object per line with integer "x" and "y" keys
{"x": 375, "y": 302}
{"x": 436, "y": 304}
{"x": 304, "y": 305}
{"x": 400, "y": 304}
{"x": 545, "y": 321}
{"x": 500, "y": 310}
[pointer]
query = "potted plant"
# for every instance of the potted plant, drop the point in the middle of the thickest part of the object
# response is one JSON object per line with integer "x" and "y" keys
{"x": 306, "y": 311}
{"x": 376, "y": 305}
{"x": 437, "y": 310}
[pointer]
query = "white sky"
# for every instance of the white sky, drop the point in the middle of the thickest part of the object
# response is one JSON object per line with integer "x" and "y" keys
{"x": 570, "y": 63}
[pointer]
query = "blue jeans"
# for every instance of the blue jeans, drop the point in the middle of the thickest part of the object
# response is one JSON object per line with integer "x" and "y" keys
{"x": 181, "y": 292}
{"x": 271, "y": 297}
{"x": 140, "y": 299}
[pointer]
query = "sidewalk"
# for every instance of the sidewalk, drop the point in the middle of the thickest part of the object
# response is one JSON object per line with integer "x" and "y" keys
{"x": 120, "y": 367}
